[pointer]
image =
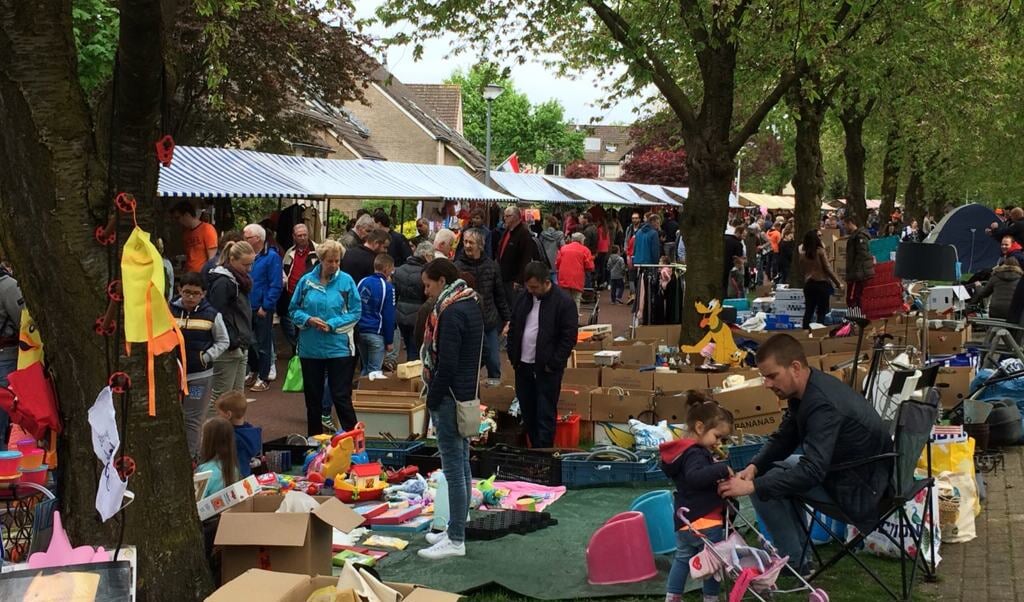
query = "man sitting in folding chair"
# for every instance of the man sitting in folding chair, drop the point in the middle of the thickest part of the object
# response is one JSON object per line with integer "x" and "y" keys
{"x": 835, "y": 426}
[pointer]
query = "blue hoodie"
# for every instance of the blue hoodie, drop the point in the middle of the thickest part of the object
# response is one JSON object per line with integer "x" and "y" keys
{"x": 646, "y": 249}
{"x": 378, "y": 298}
{"x": 337, "y": 303}
{"x": 266, "y": 281}
{"x": 249, "y": 443}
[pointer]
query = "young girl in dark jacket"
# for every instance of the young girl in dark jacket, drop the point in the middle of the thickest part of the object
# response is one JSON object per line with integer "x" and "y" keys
{"x": 691, "y": 465}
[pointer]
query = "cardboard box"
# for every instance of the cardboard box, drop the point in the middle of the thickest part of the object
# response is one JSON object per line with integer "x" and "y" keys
{"x": 413, "y": 369}
{"x": 400, "y": 413}
{"x": 575, "y": 399}
{"x": 667, "y": 334}
{"x": 680, "y": 381}
{"x": 756, "y": 409}
{"x": 715, "y": 379}
{"x": 670, "y": 407}
{"x": 637, "y": 354}
{"x": 945, "y": 298}
{"x": 497, "y": 398}
{"x": 627, "y": 378}
{"x": 269, "y": 586}
{"x": 582, "y": 376}
{"x": 816, "y": 361}
{"x": 219, "y": 501}
{"x": 954, "y": 384}
{"x": 842, "y": 344}
{"x": 615, "y": 406}
{"x": 391, "y": 383}
{"x": 252, "y": 534}
{"x": 508, "y": 375}
{"x": 945, "y": 342}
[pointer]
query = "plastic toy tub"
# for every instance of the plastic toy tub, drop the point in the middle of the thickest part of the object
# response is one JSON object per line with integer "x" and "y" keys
{"x": 10, "y": 479}
{"x": 36, "y": 475}
{"x": 9, "y": 461}
{"x": 26, "y": 444}
{"x": 32, "y": 459}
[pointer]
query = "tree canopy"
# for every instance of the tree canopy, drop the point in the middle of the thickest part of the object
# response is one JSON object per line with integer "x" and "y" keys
{"x": 538, "y": 132}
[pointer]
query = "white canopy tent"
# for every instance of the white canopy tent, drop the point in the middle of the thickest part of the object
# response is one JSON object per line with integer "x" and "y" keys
{"x": 587, "y": 190}
{"x": 657, "y": 193}
{"x": 768, "y": 201}
{"x": 625, "y": 191}
{"x": 533, "y": 188}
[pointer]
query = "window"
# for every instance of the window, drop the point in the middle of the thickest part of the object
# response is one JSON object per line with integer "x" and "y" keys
{"x": 554, "y": 169}
{"x": 591, "y": 145}
{"x": 610, "y": 148}
{"x": 602, "y": 171}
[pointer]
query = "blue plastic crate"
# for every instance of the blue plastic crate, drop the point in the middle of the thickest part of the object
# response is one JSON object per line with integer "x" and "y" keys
{"x": 741, "y": 455}
{"x": 592, "y": 473}
{"x": 391, "y": 453}
{"x": 739, "y": 304}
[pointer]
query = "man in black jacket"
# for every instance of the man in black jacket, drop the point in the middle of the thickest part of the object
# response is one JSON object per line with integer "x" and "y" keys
{"x": 398, "y": 247}
{"x": 515, "y": 249}
{"x": 834, "y": 425}
{"x": 358, "y": 261}
{"x": 541, "y": 336}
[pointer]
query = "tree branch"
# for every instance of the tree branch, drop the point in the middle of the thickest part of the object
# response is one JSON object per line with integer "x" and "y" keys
{"x": 753, "y": 122}
{"x": 662, "y": 77}
{"x": 693, "y": 17}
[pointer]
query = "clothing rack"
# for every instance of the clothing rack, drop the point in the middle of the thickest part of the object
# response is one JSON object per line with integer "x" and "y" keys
{"x": 648, "y": 274}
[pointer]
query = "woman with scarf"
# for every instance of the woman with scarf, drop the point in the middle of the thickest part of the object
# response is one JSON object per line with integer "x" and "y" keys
{"x": 228, "y": 287}
{"x": 452, "y": 345}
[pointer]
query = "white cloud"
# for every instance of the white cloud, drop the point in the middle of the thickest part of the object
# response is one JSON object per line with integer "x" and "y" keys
{"x": 581, "y": 96}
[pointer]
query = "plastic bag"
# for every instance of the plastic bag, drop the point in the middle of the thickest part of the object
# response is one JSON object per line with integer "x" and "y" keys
{"x": 958, "y": 496}
{"x": 293, "y": 380}
{"x": 298, "y": 501}
{"x": 880, "y": 545}
{"x": 649, "y": 437}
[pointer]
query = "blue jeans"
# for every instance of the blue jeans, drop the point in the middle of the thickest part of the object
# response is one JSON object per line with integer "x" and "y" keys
{"x": 455, "y": 464}
{"x": 618, "y": 287}
{"x": 785, "y": 522}
{"x": 393, "y": 354}
{"x": 689, "y": 545}
{"x": 492, "y": 352}
{"x": 412, "y": 352}
{"x": 371, "y": 352}
{"x": 6, "y": 367}
{"x": 262, "y": 350}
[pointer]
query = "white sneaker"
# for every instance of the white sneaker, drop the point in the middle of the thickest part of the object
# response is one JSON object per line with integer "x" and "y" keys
{"x": 273, "y": 373}
{"x": 445, "y": 548}
{"x": 493, "y": 382}
{"x": 433, "y": 538}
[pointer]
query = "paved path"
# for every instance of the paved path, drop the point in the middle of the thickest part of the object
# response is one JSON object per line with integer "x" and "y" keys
{"x": 990, "y": 567}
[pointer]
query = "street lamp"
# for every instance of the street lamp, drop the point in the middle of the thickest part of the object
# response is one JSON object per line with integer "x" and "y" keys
{"x": 491, "y": 91}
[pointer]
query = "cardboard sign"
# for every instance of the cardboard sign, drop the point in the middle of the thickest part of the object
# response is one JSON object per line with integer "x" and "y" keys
{"x": 680, "y": 381}
{"x": 253, "y": 535}
{"x": 627, "y": 378}
{"x": 616, "y": 406}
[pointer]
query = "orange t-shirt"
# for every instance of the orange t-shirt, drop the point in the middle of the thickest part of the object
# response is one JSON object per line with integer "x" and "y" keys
{"x": 197, "y": 241}
{"x": 774, "y": 236}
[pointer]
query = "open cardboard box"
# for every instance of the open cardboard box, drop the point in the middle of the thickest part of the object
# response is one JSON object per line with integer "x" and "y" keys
{"x": 574, "y": 399}
{"x": 954, "y": 384}
{"x": 667, "y": 334}
{"x": 680, "y": 381}
{"x": 252, "y": 534}
{"x": 497, "y": 398}
{"x": 627, "y": 378}
{"x": 756, "y": 409}
{"x": 257, "y": 585}
{"x": 619, "y": 406}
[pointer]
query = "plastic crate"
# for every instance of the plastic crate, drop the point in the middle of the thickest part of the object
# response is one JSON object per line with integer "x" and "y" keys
{"x": 291, "y": 444}
{"x": 739, "y": 304}
{"x": 518, "y": 464}
{"x": 428, "y": 459}
{"x": 567, "y": 431}
{"x": 593, "y": 473}
{"x": 741, "y": 455}
{"x": 391, "y": 453}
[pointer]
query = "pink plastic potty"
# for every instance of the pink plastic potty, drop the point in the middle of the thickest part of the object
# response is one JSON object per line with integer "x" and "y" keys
{"x": 620, "y": 551}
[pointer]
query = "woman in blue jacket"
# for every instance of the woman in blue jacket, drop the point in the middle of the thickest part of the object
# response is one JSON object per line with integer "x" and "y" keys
{"x": 326, "y": 308}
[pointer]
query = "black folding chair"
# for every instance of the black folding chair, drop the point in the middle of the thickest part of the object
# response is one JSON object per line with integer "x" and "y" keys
{"x": 914, "y": 421}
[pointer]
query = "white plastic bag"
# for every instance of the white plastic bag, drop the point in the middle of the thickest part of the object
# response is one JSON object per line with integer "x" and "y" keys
{"x": 880, "y": 545}
{"x": 958, "y": 494}
{"x": 649, "y": 437}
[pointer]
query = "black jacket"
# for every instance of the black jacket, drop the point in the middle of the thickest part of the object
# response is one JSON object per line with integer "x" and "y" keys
{"x": 590, "y": 238}
{"x": 1012, "y": 228}
{"x": 460, "y": 332}
{"x": 733, "y": 248}
{"x": 408, "y": 290}
{"x": 834, "y": 425}
{"x": 398, "y": 249}
{"x": 358, "y": 262}
{"x": 519, "y": 251}
{"x": 489, "y": 288}
{"x": 696, "y": 475}
{"x": 559, "y": 324}
{"x": 223, "y": 293}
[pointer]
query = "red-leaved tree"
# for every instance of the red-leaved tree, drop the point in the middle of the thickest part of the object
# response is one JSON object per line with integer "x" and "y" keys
{"x": 656, "y": 166}
{"x": 581, "y": 169}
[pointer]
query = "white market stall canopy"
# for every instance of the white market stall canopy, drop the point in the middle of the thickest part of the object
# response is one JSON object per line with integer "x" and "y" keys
{"x": 587, "y": 190}
{"x": 530, "y": 187}
{"x": 222, "y": 172}
{"x": 625, "y": 191}
{"x": 768, "y": 201}
{"x": 656, "y": 192}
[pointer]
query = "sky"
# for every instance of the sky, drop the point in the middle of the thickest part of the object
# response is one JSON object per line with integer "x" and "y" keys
{"x": 580, "y": 97}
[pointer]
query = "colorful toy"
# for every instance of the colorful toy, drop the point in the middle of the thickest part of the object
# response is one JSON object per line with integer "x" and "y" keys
{"x": 402, "y": 474}
{"x": 411, "y": 490}
{"x": 718, "y": 333}
{"x": 492, "y": 496}
{"x": 337, "y": 458}
{"x": 363, "y": 482}
{"x": 60, "y": 552}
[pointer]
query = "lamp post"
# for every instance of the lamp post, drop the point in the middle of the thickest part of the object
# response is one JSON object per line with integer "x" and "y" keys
{"x": 491, "y": 91}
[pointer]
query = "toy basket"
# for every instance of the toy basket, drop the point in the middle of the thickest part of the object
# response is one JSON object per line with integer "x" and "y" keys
{"x": 391, "y": 453}
{"x": 577, "y": 474}
{"x": 518, "y": 464}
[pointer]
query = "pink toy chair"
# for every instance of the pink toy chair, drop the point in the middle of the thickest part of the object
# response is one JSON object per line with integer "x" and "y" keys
{"x": 620, "y": 551}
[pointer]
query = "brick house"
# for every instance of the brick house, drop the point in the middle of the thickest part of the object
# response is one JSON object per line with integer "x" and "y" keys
{"x": 607, "y": 146}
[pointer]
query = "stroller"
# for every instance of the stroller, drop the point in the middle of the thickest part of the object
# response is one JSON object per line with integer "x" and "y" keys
{"x": 590, "y": 307}
{"x": 752, "y": 570}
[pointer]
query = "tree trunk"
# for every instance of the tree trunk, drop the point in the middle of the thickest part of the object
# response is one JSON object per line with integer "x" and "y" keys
{"x": 913, "y": 200}
{"x": 891, "y": 164}
{"x": 53, "y": 187}
{"x": 852, "y": 117}
{"x": 809, "y": 179}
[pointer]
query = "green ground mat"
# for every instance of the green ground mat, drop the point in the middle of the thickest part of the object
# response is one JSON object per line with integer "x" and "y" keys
{"x": 549, "y": 564}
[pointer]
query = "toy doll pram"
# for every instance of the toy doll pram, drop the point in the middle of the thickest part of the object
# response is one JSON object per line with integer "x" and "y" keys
{"x": 751, "y": 570}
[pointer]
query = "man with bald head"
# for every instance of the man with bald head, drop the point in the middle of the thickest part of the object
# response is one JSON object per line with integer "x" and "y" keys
{"x": 298, "y": 261}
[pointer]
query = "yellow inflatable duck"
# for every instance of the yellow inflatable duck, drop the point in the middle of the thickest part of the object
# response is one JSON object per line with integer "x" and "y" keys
{"x": 30, "y": 345}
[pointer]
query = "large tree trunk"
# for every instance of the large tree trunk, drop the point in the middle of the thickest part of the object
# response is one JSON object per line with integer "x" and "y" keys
{"x": 53, "y": 191}
{"x": 891, "y": 164}
{"x": 852, "y": 117}
{"x": 809, "y": 179}
{"x": 913, "y": 200}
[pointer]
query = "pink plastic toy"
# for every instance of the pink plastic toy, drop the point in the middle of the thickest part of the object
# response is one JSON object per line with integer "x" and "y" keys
{"x": 620, "y": 551}
{"x": 60, "y": 552}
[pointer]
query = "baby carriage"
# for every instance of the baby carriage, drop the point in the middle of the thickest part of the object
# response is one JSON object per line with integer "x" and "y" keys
{"x": 752, "y": 570}
{"x": 590, "y": 307}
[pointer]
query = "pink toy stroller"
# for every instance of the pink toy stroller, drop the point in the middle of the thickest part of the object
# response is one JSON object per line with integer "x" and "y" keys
{"x": 752, "y": 570}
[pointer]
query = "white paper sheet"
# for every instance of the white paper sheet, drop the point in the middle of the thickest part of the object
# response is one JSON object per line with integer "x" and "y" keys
{"x": 111, "y": 490}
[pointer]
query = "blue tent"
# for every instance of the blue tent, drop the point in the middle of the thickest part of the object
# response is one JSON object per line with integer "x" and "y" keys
{"x": 964, "y": 228}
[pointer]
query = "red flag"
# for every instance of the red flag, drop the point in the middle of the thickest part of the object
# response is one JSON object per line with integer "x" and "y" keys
{"x": 510, "y": 164}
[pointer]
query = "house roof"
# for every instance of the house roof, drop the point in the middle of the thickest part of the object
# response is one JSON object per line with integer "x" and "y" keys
{"x": 343, "y": 125}
{"x": 444, "y": 99}
{"x": 615, "y": 142}
{"x": 421, "y": 111}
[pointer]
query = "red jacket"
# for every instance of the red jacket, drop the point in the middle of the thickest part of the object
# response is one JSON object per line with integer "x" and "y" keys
{"x": 572, "y": 262}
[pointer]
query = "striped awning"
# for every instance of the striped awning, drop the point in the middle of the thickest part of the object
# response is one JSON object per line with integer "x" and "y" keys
{"x": 656, "y": 192}
{"x": 530, "y": 187}
{"x": 625, "y": 191}
{"x": 587, "y": 190}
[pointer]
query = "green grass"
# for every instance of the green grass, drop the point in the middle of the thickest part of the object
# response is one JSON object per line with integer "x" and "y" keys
{"x": 845, "y": 582}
